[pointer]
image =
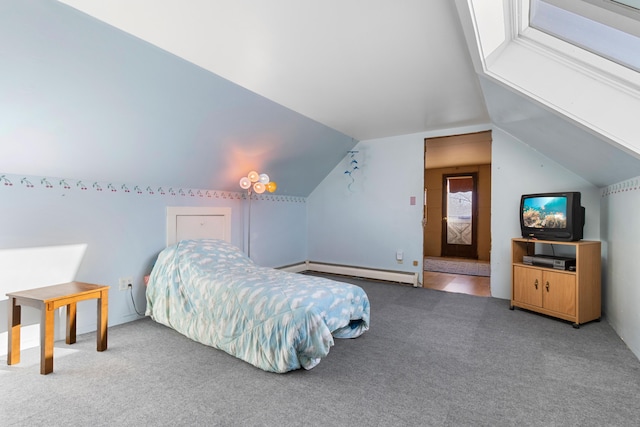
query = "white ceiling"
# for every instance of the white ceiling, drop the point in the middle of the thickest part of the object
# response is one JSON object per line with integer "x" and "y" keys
{"x": 367, "y": 68}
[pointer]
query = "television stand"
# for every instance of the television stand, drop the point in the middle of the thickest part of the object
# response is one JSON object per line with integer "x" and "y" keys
{"x": 573, "y": 295}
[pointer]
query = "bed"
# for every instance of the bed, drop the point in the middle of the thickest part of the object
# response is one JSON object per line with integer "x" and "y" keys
{"x": 211, "y": 292}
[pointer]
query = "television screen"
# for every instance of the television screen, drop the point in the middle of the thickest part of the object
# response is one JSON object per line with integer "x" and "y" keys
{"x": 545, "y": 212}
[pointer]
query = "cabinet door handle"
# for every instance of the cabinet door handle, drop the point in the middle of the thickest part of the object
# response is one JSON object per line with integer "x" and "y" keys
{"x": 536, "y": 284}
{"x": 547, "y": 286}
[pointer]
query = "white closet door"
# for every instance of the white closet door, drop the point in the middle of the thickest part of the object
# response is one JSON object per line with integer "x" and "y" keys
{"x": 187, "y": 222}
{"x": 200, "y": 226}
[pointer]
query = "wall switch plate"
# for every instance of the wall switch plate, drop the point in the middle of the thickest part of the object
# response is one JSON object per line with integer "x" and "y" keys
{"x": 399, "y": 255}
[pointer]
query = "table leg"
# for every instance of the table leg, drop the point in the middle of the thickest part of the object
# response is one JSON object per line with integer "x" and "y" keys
{"x": 71, "y": 323}
{"x": 103, "y": 311}
{"x": 46, "y": 340}
{"x": 13, "y": 354}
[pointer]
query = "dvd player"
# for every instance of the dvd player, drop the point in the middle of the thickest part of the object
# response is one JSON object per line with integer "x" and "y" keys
{"x": 550, "y": 261}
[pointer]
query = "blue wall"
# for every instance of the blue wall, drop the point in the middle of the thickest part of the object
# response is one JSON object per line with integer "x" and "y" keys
{"x": 621, "y": 293}
{"x": 81, "y": 99}
{"x": 363, "y": 217}
{"x": 99, "y": 232}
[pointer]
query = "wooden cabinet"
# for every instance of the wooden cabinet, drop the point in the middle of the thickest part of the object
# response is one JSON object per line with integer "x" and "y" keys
{"x": 555, "y": 291}
{"x": 570, "y": 295}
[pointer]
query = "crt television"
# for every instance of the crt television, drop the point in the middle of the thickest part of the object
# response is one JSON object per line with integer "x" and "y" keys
{"x": 552, "y": 216}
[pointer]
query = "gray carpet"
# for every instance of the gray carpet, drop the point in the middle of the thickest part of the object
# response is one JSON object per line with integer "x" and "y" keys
{"x": 430, "y": 358}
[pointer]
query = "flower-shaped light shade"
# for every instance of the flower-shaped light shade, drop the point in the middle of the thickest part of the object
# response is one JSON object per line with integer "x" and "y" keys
{"x": 258, "y": 183}
{"x": 253, "y": 176}
{"x": 245, "y": 183}
{"x": 259, "y": 187}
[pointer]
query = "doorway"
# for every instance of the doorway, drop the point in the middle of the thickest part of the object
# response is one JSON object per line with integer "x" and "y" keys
{"x": 457, "y": 213}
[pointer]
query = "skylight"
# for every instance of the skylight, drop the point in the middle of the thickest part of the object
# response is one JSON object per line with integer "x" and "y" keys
{"x": 602, "y": 27}
{"x": 631, "y": 3}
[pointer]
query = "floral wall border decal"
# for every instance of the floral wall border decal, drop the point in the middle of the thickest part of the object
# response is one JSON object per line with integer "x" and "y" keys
{"x": 632, "y": 184}
{"x": 67, "y": 184}
{"x": 5, "y": 180}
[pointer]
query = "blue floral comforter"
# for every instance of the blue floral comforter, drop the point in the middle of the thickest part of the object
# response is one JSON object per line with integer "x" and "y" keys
{"x": 278, "y": 321}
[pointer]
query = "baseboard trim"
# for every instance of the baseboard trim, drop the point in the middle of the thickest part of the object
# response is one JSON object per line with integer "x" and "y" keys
{"x": 295, "y": 268}
{"x": 345, "y": 270}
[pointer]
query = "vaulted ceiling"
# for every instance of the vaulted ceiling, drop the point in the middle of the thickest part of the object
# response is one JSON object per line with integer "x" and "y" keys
{"x": 197, "y": 93}
{"x": 367, "y": 68}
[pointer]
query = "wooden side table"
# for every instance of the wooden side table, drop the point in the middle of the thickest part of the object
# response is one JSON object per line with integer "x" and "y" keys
{"x": 48, "y": 299}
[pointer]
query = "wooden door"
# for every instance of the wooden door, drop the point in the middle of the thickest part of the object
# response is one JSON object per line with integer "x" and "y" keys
{"x": 460, "y": 215}
{"x": 527, "y": 285}
{"x": 559, "y": 292}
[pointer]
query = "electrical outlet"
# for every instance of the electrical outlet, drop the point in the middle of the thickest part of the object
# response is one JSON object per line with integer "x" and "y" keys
{"x": 415, "y": 263}
{"x": 125, "y": 282}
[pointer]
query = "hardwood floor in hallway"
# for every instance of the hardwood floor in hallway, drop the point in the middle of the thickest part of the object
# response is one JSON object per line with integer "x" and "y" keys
{"x": 459, "y": 283}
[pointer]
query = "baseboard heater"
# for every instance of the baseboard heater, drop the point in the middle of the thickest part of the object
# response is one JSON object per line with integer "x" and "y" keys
{"x": 345, "y": 270}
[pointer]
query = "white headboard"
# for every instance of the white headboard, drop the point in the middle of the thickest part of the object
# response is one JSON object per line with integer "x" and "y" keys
{"x": 188, "y": 222}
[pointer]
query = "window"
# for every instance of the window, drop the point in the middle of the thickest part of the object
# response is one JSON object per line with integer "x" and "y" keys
{"x": 604, "y": 27}
{"x": 631, "y": 3}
